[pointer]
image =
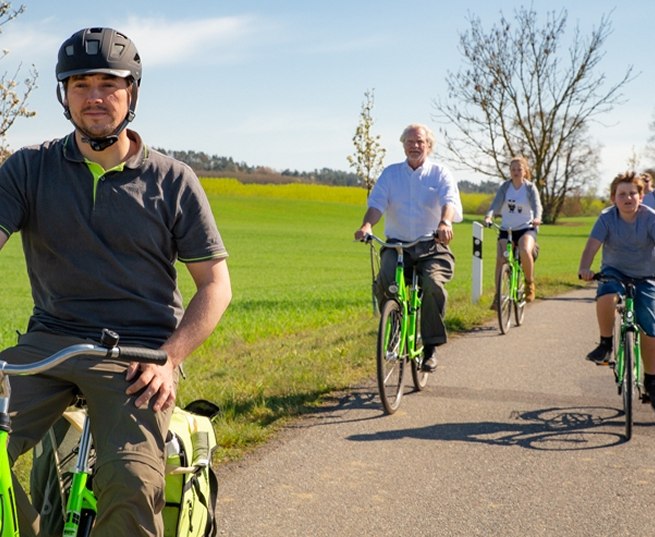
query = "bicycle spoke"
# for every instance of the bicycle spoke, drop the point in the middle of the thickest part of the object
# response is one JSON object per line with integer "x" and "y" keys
{"x": 504, "y": 299}
{"x": 390, "y": 363}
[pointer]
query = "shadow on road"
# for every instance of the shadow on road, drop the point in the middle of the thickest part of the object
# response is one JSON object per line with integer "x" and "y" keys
{"x": 549, "y": 429}
{"x": 589, "y": 300}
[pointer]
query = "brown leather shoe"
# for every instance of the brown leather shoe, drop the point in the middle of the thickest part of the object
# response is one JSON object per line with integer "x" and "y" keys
{"x": 529, "y": 291}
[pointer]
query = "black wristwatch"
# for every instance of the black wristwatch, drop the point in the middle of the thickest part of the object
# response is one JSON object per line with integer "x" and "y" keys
{"x": 446, "y": 222}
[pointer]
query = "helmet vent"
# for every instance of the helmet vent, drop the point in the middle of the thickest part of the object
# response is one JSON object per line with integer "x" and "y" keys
{"x": 117, "y": 50}
{"x": 92, "y": 47}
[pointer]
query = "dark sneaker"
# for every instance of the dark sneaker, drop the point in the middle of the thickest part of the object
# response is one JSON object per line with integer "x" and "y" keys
{"x": 430, "y": 359}
{"x": 494, "y": 303}
{"x": 601, "y": 355}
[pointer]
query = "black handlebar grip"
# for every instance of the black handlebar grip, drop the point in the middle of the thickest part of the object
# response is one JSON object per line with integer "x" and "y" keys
{"x": 139, "y": 354}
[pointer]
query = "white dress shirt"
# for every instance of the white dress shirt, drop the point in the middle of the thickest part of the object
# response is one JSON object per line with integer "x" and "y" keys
{"x": 411, "y": 200}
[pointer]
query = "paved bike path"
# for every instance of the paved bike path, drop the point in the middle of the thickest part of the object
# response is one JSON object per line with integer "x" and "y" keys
{"x": 515, "y": 435}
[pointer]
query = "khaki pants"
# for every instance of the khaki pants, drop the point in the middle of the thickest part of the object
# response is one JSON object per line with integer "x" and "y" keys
{"x": 435, "y": 264}
{"x": 129, "y": 475}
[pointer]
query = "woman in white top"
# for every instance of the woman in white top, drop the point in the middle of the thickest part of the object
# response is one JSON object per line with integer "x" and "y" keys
{"x": 517, "y": 201}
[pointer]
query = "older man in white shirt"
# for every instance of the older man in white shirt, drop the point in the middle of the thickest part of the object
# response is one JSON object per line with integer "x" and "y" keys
{"x": 418, "y": 197}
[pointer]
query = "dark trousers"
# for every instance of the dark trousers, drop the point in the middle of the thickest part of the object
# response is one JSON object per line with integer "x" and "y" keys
{"x": 435, "y": 264}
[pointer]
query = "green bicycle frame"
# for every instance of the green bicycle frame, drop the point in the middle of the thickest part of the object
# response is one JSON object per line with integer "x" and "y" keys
{"x": 9, "y": 514}
{"x": 410, "y": 301}
{"x": 8, "y": 517}
{"x": 516, "y": 271}
{"x": 81, "y": 507}
{"x": 628, "y": 324}
{"x": 81, "y": 499}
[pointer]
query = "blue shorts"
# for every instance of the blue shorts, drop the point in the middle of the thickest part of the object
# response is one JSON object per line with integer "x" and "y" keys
{"x": 644, "y": 299}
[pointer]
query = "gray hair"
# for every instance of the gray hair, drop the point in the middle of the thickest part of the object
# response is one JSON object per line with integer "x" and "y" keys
{"x": 416, "y": 126}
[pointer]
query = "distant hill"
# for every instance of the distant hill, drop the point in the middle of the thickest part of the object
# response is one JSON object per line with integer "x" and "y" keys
{"x": 217, "y": 166}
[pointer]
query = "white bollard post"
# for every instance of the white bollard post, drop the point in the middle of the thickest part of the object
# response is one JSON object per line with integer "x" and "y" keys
{"x": 476, "y": 273}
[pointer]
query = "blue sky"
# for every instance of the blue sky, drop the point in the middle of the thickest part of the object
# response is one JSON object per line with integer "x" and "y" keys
{"x": 280, "y": 83}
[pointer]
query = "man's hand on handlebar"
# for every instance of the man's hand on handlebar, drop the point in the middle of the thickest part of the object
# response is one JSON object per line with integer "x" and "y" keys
{"x": 363, "y": 232}
{"x": 586, "y": 274}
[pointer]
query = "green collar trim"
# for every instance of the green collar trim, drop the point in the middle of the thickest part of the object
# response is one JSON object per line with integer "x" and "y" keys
{"x": 98, "y": 172}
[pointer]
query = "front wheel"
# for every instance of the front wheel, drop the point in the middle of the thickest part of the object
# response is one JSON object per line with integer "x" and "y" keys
{"x": 504, "y": 309}
{"x": 419, "y": 376}
{"x": 390, "y": 360}
{"x": 628, "y": 385}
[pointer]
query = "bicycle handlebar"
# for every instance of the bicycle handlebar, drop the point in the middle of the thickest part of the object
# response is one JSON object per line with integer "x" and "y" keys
{"x": 425, "y": 238}
{"x": 602, "y": 277}
{"x": 126, "y": 353}
{"x": 530, "y": 225}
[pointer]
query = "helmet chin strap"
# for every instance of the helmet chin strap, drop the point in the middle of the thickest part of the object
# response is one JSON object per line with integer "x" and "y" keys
{"x": 102, "y": 143}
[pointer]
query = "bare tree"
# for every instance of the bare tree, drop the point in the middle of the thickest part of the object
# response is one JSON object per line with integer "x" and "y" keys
{"x": 517, "y": 93}
{"x": 368, "y": 159}
{"x": 12, "y": 99}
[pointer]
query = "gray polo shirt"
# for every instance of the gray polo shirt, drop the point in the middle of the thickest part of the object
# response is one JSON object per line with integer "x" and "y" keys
{"x": 627, "y": 247}
{"x": 101, "y": 251}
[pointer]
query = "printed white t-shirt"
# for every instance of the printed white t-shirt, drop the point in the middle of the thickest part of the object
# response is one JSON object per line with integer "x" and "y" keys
{"x": 516, "y": 212}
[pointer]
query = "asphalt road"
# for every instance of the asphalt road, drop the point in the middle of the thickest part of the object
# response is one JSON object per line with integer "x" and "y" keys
{"x": 515, "y": 435}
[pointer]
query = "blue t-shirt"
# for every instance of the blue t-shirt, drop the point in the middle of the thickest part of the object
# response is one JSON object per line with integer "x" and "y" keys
{"x": 627, "y": 246}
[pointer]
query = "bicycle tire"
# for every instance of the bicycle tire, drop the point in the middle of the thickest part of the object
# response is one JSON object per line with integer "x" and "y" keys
{"x": 390, "y": 362}
{"x": 628, "y": 382}
{"x": 616, "y": 337}
{"x": 504, "y": 309}
{"x": 419, "y": 377}
{"x": 519, "y": 305}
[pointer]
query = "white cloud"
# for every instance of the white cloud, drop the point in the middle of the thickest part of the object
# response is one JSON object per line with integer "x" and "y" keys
{"x": 160, "y": 41}
{"x": 213, "y": 40}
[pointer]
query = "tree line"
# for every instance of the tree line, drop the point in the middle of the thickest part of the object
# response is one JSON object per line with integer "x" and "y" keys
{"x": 215, "y": 165}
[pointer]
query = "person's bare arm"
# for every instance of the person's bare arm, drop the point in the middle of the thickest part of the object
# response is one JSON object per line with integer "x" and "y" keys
{"x": 371, "y": 217}
{"x": 587, "y": 258}
{"x": 212, "y": 296}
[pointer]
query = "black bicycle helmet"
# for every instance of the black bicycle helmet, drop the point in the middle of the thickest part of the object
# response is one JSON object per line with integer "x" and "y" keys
{"x": 99, "y": 50}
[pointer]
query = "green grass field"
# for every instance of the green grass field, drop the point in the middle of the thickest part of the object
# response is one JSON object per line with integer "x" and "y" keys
{"x": 300, "y": 324}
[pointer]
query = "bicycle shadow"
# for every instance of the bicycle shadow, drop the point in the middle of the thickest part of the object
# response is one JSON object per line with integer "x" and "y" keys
{"x": 548, "y": 429}
{"x": 336, "y": 406}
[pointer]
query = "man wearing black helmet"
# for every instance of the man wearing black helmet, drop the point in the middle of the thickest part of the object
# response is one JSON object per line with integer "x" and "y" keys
{"x": 103, "y": 219}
